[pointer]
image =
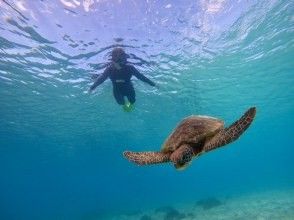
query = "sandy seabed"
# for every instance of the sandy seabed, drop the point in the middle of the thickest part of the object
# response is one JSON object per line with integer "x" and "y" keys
{"x": 270, "y": 205}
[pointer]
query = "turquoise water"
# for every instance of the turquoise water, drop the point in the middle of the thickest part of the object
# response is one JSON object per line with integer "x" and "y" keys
{"x": 61, "y": 148}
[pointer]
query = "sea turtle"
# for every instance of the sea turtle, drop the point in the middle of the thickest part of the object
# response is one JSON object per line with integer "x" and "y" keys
{"x": 193, "y": 136}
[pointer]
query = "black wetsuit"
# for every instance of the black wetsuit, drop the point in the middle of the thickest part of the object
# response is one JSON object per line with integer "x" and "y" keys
{"x": 121, "y": 81}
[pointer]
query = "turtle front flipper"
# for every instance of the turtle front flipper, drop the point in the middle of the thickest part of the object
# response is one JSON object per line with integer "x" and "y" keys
{"x": 147, "y": 158}
{"x": 231, "y": 133}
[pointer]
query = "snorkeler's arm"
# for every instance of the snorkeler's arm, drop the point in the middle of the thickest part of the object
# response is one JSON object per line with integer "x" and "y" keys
{"x": 141, "y": 77}
{"x": 100, "y": 79}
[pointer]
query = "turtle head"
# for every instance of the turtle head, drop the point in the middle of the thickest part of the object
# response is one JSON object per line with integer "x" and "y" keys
{"x": 182, "y": 157}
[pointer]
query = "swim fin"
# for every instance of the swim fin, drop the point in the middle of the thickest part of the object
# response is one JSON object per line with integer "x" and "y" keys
{"x": 127, "y": 107}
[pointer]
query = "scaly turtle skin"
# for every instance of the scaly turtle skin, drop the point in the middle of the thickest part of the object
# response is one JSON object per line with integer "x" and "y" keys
{"x": 192, "y": 137}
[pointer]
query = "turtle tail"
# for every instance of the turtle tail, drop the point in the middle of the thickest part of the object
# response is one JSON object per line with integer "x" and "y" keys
{"x": 231, "y": 133}
{"x": 147, "y": 158}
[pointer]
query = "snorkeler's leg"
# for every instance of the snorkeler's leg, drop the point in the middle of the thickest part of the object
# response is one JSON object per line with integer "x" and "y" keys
{"x": 119, "y": 98}
{"x": 131, "y": 95}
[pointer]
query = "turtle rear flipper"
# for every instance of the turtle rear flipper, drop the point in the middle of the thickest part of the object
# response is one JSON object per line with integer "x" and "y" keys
{"x": 147, "y": 158}
{"x": 231, "y": 133}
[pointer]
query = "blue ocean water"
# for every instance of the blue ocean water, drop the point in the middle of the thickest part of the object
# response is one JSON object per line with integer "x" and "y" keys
{"x": 61, "y": 148}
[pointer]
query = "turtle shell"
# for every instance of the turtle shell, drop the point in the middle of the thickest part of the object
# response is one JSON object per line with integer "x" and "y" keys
{"x": 192, "y": 130}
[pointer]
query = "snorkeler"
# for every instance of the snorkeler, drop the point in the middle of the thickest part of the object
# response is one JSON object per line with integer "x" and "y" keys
{"x": 120, "y": 74}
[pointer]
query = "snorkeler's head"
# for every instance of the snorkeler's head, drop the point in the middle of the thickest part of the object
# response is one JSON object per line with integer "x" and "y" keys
{"x": 118, "y": 55}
